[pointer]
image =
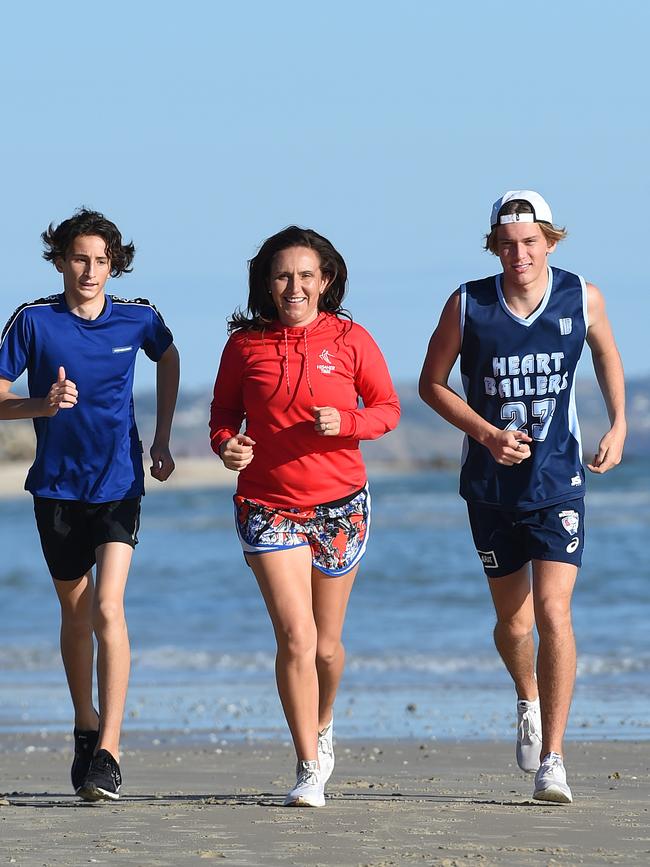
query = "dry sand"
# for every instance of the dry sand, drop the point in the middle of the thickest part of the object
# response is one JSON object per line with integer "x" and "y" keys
{"x": 189, "y": 473}
{"x": 396, "y": 803}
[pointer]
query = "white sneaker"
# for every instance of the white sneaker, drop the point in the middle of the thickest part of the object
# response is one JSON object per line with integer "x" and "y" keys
{"x": 550, "y": 781}
{"x": 529, "y": 735}
{"x": 326, "y": 751}
{"x": 309, "y": 789}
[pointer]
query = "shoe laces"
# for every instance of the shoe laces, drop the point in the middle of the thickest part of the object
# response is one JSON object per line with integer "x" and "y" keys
{"x": 106, "y": 763}
{"x": 307, "y": 773}
{"x": 552, "y": 761}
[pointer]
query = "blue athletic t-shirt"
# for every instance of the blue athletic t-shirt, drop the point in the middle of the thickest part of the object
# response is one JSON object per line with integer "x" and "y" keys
{"x": 519, "y": 374}
{"x": 92, "y": 451}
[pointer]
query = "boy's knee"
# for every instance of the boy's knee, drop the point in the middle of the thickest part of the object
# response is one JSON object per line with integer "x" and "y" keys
{"x": 515, "y": 628}
{"x": 108, "y": 614}
{"x": 553, "y": 615}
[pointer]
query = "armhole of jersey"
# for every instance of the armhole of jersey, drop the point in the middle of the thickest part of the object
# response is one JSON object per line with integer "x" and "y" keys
{"x": 585, "y": 302}
{"x": 463, "y": 303}
{"x": 574, "y": 424}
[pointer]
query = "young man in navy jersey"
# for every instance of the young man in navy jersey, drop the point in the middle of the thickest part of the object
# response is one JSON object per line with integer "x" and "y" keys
{"x": 519, "y": 336}
{"x": 79, "y": 349}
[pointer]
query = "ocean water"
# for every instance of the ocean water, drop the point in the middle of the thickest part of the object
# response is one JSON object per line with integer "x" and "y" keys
{"x": 420, "y": 658}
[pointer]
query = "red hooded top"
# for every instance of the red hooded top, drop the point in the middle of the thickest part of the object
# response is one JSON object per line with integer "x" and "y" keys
{"x": 273, "y": 378}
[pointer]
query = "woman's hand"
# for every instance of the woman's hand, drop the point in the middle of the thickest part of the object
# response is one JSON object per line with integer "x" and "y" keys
{"x": 327, "y": 421}
{"x": 237, "y": 452}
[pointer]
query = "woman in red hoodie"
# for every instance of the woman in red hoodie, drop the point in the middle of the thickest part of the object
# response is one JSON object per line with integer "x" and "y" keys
{"x": 295, "y": 368}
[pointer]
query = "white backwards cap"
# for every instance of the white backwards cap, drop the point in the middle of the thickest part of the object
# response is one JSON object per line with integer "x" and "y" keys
{"x": 541, "y": 209}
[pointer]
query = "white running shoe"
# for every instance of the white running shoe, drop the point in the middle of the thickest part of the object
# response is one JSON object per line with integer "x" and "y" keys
{"x": 529, "y": 735}
{"x": 309, "y": 788}
{"x": 326, "y": 751}
{"x": 550, "y": 781}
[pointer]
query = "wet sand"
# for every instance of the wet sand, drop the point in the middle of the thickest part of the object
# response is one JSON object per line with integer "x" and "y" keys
{"x": 395, "y": 803}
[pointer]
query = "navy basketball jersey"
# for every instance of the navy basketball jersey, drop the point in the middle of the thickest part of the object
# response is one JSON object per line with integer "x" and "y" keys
{"x": 519, "y": 374}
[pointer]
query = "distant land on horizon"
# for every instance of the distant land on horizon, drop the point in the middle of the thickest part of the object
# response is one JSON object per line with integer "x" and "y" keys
{"x": 423, "y": 439}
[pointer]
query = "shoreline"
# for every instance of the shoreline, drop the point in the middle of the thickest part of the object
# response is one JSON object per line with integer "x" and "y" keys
{"x": 207, "y": 473}
{"x": 389, "y": 803}
{"x": 190, "y": 473}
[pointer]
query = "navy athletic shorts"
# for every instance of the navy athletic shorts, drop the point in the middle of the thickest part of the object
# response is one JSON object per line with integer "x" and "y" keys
{"x": 505, "y": 541}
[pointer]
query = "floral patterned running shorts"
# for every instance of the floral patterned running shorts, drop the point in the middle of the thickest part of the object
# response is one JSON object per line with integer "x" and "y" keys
{"x": 336, "y": 532}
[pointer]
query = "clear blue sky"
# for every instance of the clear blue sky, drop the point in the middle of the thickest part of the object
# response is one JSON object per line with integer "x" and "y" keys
{"x": 203, "y": 127}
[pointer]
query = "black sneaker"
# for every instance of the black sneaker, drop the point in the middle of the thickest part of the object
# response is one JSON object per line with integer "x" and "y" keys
{"x": 84, "y": 747}
{"x": 103, "y": 780}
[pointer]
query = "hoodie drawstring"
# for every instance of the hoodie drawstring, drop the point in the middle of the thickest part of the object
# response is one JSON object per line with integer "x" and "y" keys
{"x": 287, "y": 379}
{"x": 311, "y": 390}
{"x": 286, "y": 361}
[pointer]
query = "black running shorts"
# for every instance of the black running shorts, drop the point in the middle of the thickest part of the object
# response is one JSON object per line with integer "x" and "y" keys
{"x": 71, "y": 531}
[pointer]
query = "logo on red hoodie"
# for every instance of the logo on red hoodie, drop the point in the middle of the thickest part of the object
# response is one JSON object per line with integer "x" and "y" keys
{"x": 328, "y": 366}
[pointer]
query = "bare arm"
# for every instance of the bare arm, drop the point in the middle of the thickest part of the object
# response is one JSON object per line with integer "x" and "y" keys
{"x": 609, "y": 373}
{"x": 444, "y": 349}
{"x": 167, "y": 378}
{"x": 62, "y": 395}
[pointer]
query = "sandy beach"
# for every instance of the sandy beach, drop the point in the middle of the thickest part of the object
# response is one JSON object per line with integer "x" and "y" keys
{"x": 189, "y": 473}
{"x": 392, "y": 803}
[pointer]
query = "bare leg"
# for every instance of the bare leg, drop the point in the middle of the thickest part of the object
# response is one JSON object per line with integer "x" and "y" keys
{"x": 330, "y": 600}
{"x": 113, "y": 651}
{"x": 77, "y": 647}
{"x": 556, "y": 661}
{"x": 513, "y": 633}
{"x": 284, "y": 577}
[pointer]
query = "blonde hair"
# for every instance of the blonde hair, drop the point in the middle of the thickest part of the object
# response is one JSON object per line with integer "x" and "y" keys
{"x": 553, "y": 234}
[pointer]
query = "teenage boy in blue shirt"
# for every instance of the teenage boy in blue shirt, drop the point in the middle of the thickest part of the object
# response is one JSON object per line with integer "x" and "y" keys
{"x": 79, "y": 349}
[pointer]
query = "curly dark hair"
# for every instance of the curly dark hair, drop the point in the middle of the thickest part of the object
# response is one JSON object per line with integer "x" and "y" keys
{"x": 261, "y": 310}
{"x": 57, "y": 239}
